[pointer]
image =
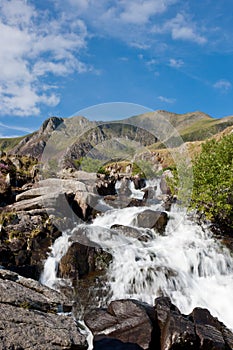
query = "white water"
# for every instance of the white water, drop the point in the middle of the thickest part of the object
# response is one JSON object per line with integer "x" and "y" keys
{"x": 186, "y": 263}
{"x": 59, "y": 248}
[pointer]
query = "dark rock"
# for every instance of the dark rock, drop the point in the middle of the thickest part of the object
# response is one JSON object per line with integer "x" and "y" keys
{"x": 124, "y": 320}
{"x": 82, "y": 259}
{"x": 134, "y": 202}
{"x": 151, "y": 219}
{"x": 176, "y": 331}
{"x": 25, "y": 240}
{"x": 106, "y": 185}
{"x": 132, "y": 232}
{"x": 127, "y": 324}
{"x": 114, "y": 344}
{"x": 139, "y": 182}
{"x": 208, "y": 329}
{"x": 77, "y": 262}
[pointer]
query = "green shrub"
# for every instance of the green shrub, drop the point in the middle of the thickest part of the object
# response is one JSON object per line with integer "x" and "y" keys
{"x": 213, "y": 181}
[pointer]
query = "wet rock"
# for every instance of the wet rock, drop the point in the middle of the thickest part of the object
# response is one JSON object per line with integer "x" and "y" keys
{"x": 132, "y": 232}
{"x": 126, "y": 324}
{"x": 77, "y": 262}
{"x": 124, "y": 189}
{"x": 134, "y": 202}
{"x": 80, "y": 260}
{"x": 151, "y": 219}
{"x": 175, "y": 330}
{"x": 208, "y": 330}
{"x": 124, "y": 320}
{"x": 122, "y": 201}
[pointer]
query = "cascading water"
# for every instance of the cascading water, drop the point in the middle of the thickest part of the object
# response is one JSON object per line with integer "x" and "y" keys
{"x": 185, "y": 263}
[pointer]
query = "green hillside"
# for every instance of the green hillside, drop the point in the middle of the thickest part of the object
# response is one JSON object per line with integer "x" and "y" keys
{"x": 6, "y": 144}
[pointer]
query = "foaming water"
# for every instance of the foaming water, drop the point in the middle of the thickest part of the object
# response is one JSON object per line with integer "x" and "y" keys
{"x": 185, "y": 263}
{"x": 59, "y": 248}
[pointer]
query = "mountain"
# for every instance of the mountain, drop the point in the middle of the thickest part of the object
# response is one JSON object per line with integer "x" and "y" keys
{"x": 76, "y": 137}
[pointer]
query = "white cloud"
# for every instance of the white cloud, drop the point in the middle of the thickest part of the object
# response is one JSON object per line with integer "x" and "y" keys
{"x": 176, "y": 63}
{"x": 151, "y": 62}
{"x": 223, "y": 85}
{"x": 15, "y": 127}
{"x": 181, "y": 28}
{"x": 32, "y": 45}
{"x": 167, "y": 99}
{"x": 140, "y": 45}
{"x": 128, "y": 20}
{"x": 139, "y": 12}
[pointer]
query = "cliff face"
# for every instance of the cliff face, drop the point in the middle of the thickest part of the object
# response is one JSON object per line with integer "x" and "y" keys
{"x": 72, "y": 139}
{"x": 33, "y": 145}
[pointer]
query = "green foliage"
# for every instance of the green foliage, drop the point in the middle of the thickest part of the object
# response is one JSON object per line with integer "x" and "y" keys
{"x": 144, "y": 168}
{"x": 213, "y": 181}
{"x": 90, "y": 165}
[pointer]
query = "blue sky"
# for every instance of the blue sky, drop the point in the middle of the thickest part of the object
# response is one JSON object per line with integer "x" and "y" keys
{"x": 61, "y": 56}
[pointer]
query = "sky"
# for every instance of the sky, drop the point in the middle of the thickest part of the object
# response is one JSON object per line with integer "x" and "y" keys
{"x": 60, "y": 57}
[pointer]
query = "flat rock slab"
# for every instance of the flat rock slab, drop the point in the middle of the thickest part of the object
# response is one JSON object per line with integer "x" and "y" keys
{"x": 19, "y": 291}
{"x": 34, "y": 330}
{"x": 29, "y": 318}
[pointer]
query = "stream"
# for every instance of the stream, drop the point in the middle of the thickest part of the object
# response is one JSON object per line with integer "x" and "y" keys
{"x": 186, "y": 263}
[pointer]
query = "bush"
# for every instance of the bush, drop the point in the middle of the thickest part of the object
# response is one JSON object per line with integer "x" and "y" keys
{"x": 213, "y": 182}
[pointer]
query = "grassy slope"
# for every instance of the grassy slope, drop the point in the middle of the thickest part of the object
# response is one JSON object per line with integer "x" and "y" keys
{"x": 6, "y": 144}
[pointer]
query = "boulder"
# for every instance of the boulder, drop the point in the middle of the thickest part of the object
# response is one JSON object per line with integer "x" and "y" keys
{"x": 29, "y": 318}
{"x": 25, "y": 240}
{"x": 21, "y": 328}
{"x": 130, "y": 324}
{"x": 105, "y": 185}
{"x": 114, "y": 344}
{"x": 151, "y": 219}
{"x": 132, "y": 232}
{"x": 63, "y": 196}
{"x": 80, "y": 260}
{"x": 139, "y": 182}
{"x": 176, "y": 331}
{"x": 125, "y": 320}
{"x": 208, "y": 330}
{"x": 77, "y": 262}
{"x": 24, "y": 292}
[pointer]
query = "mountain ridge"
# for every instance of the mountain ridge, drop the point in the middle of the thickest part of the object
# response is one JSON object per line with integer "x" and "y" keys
{"x": 191, "y": 126}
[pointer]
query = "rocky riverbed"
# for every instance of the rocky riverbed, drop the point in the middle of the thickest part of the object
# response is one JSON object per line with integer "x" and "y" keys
{"x": 37, "y": 317}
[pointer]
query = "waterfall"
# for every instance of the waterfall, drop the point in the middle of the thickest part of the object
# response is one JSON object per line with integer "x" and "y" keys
{"x": 186, "y": 263}
{"x": 49, "y": 273}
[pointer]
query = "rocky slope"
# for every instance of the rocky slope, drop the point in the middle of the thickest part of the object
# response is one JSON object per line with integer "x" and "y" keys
{"x": 30, "y": 316}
